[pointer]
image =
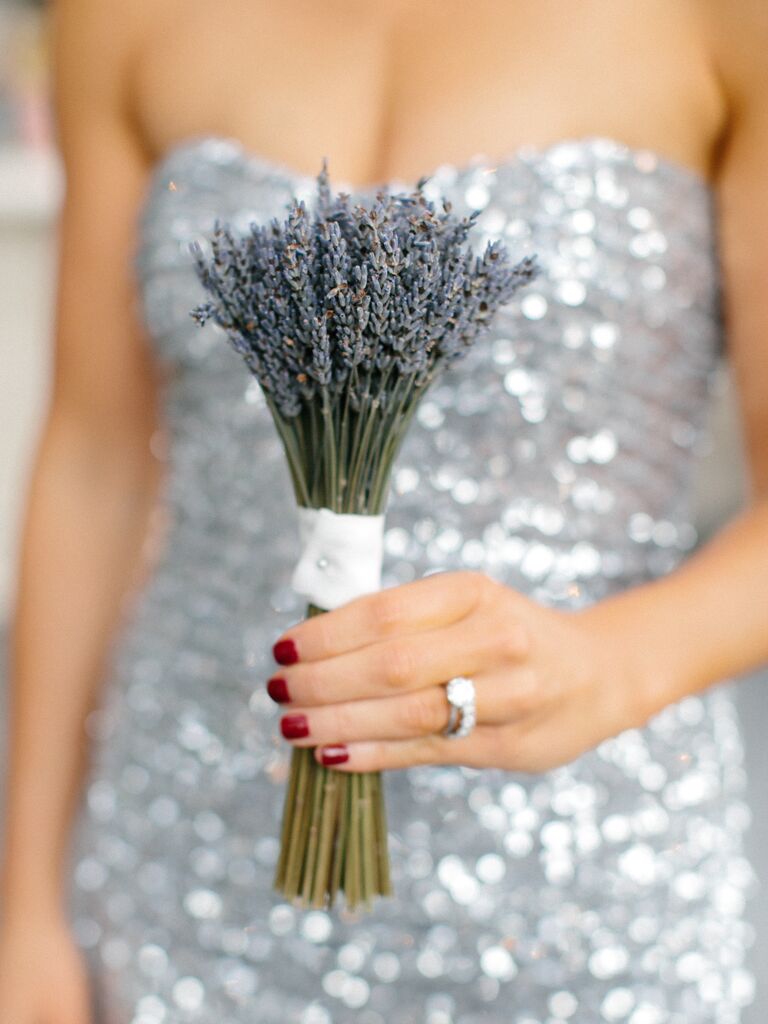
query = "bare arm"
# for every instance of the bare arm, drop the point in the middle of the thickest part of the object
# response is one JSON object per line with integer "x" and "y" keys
{"x": 708, "y": 620}
{"x": 93, "y": 478}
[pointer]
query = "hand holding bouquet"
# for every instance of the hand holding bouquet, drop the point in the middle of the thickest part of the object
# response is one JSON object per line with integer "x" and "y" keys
{"x": 345, "y": 319}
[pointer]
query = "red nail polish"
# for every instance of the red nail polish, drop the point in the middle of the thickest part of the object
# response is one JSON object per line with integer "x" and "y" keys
{"x": 284, "y": 652}
{"x": 277, "y": 689}
{"x": 334, "y": 754}
{"x": 294, "y": 727}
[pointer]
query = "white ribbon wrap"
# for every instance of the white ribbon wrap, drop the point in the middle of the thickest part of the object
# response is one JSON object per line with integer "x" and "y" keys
{"x": 341, "y": 556}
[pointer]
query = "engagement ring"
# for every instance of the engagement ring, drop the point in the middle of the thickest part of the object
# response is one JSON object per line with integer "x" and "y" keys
{"x": 460, "y": 692}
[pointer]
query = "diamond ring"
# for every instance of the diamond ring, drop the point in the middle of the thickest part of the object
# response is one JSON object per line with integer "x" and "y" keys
{"x": 460, "y": 692}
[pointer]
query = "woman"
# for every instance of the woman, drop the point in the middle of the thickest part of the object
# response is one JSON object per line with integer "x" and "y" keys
{"x": 577, "y": 856}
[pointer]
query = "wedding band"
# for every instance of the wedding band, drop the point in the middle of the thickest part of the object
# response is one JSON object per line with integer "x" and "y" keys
{"x": 460, "y": 692}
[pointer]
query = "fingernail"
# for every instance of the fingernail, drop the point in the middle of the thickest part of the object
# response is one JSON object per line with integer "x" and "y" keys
{"x": 294, "y": 727}
{"x": 334, "y": 754}
{"x": 284, "y": 652}
{"x": 277, "y": 689}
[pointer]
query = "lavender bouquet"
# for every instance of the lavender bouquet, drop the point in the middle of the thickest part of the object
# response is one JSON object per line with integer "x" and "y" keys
{"x": 345, "y": 318}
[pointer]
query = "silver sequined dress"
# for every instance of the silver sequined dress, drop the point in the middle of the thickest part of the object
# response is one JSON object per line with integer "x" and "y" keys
{"x": 557, "y": 457}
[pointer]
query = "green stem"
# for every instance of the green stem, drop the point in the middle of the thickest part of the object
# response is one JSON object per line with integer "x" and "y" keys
{"x": 340, "y": 846}
{"x": 355, "y": 478}
{"x": 288, "y": 438}
{"x": 344, "y": 441}
{"x": 368, "y": 838}
{"x": 382, "y": 846}
{"x": 352, "y": 879}
{"x": 314, "y": 461}
{"x": 329, "y": 438}
{"x": 313, "y": 838}
{"x": 394, "y": 439}
{"x": 331, "y": 787}
{"x": 289, "y": 813}
{"x": 300, "y": 815}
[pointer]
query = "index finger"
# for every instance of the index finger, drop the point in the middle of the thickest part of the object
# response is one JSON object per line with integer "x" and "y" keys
{"x": 438, "y": 599}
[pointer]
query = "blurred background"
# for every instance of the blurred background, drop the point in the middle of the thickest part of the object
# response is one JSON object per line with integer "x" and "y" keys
{"x": 31, "y": 186}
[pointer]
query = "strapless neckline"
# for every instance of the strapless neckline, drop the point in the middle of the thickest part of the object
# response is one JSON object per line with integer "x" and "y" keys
{"x": 646, "y": 159}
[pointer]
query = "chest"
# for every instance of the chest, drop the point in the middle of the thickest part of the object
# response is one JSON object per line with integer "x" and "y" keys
{"x": 386, "y": 90}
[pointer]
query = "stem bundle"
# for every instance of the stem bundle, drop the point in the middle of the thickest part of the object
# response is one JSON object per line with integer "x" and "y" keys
{"x": 334, "y": 835}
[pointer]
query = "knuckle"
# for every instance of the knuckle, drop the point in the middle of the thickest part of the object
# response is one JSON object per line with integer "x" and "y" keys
{"x": 528, "y": 753}
{"x": 421, "y": 713}
{"x": 323, "y": 629}
{"x": 515, "y": 641}
{"x": 526, "y": 691}
{"x": 495, "y": 747}
{"x": 387, "y": 611}
{"x": 487, "y": 587}
{"x": 307, "y": 690}
{"x": 477, "y": 584}
{"x": 398, "y": 664}
{"x": 383, "y": 755}
{"x": 342, "y": 723}
{"x": 431, "y": 749}
{"x": 429, "y": 753}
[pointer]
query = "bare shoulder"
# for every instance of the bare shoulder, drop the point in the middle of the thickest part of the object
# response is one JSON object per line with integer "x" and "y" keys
{"x": 92, "y": 42}
{"x": 740, "y": 45}
{"x": 108, "y": 386}
{"x": 738, "y": 32}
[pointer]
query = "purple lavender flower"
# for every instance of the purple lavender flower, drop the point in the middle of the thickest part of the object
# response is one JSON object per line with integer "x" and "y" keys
{"x": 349, "y": 298}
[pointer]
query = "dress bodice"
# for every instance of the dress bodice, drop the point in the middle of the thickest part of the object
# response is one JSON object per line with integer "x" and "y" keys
{"x": 557, "y": 457}
{"x": 557, "y": 454}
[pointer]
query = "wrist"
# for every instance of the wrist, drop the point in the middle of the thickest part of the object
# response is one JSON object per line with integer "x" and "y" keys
{"x": 637, "y": 626}
{"x": 23, "y": 915}
{"x": 24, "y": 899}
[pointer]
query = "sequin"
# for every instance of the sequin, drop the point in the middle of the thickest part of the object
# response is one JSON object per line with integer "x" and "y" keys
{"x": 497, "y": 962}
{"x": 554, "y": 458}
{"x": 202, "y": 903}
{"x": 152, "y": 960}
{"x": 188, "y": 993}
{"x": 572, "y": 293}
{"x": 617, "y": 1004}
{"x": 533, "y": 306}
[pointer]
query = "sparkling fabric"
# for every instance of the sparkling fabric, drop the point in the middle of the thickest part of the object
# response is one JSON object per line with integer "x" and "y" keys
{"x": 557, "y": 457}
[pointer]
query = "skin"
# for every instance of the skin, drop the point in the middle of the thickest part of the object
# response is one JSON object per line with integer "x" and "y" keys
{"x": 419, "y": 84}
